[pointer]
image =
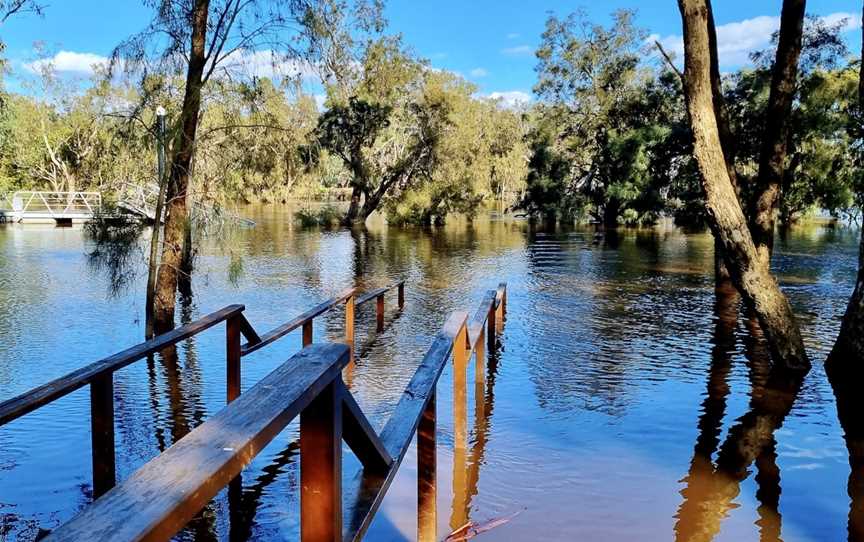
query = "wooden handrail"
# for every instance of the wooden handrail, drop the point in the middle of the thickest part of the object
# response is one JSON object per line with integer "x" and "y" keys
{"x": 47, "y": 393}
{"x": 297, "y": 322}
{"x": 163, "y": 495}
{"x": 369, "y": 490}
{"x": 369, "y": 296}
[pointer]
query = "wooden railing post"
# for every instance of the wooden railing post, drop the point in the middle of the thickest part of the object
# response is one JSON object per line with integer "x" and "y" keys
{"x": 307, "y": 333}
{"x": 349, "y": 326}
{"x": 480, "y": 358}
{"x": 379, "y": 313}
{"x": 321, "y": 467}
{"x": 401, "y": 298}
{"x": 232, "y": 347}
{"x": 427, "y": 475}
{"x": 102, "y": 433}
{"x": 460, "y": 426}
{"x": 491, "y": 326}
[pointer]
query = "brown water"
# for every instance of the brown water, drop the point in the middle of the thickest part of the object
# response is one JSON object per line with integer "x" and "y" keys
{"x": 624, "y": 403}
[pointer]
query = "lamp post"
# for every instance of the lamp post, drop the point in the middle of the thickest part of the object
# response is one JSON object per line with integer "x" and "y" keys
{"x": 153, "y": 264}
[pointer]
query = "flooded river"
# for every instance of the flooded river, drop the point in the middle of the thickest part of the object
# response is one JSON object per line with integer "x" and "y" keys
{"x": 625, "y": 401}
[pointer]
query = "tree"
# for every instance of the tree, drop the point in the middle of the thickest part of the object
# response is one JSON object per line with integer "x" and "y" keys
{"x": 203, "y": 36}
{"x": 772, "y": 159}
{"x": 381, "y": 125}
{"x": 848, "y": 349}
{"x": 726, "y": 218}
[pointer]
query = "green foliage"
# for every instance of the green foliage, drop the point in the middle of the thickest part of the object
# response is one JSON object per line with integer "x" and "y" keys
{"x": 326, "y": 216}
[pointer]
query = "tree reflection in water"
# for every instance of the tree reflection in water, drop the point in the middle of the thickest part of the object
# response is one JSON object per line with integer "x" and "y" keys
{"x": 712, "y": 486}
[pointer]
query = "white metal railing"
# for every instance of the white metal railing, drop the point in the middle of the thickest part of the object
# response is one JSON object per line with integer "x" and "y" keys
{"x": 24, "y": 204}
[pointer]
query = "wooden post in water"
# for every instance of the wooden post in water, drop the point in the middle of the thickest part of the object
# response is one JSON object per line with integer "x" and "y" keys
{"x": 349, "y": 326}
{"x": 232, "y": 347}
{"x": 401, "y": 291}
{"x": 379, "y": 313}
{"x": 427, "y": 475}
{"x": 102, "y": 433}
{"x": 307, "y": 333}
{"x": 321, "y": 467}
{"x": 491, "y": 327}
{"x": 460, "y": 427}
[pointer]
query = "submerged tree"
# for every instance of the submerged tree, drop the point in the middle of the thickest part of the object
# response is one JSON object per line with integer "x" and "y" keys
{"x": 749, "y": 272}
{"x": 205, "y": 38}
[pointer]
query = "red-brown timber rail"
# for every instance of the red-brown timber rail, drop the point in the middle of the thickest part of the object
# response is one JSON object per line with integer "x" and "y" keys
{"x": 159, "y": 499}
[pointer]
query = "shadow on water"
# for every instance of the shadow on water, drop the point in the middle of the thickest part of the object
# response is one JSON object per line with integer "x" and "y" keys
{"x": 711, "y": 487}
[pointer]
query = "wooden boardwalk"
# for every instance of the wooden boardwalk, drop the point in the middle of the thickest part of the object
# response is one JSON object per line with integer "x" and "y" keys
{"x": 166, "y": 493}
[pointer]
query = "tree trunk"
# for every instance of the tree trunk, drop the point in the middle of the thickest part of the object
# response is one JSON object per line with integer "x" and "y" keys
{"x": 610, "y": 214}
{"x": 354, "y": 208}
{"x": 849, "y": 347}
{"x": 772, "y": 157}
{"x": 177, "y": 213}
{"x": 722, "y": 278}
{"x": 758, "y": 287}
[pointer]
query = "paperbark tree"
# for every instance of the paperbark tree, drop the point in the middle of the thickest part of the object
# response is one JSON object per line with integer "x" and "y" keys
{"x": 772, "y": 159}
{"x": 753, "y": 279}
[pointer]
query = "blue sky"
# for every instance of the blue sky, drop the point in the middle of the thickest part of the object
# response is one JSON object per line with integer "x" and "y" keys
{"x": 489, "y": 42}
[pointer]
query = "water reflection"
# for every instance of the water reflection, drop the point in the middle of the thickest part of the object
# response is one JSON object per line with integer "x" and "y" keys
{"x": 711, "y": 488}
{"x": 846, "y": 376}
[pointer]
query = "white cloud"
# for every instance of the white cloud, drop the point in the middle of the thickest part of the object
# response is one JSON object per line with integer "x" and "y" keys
{"x": 478, "y": 72}
{"x": 511, "y": 99}
{"x": 518, "y": 50}
{"x": 513, "y": 35}
{"x": 319, "y": 101}
{"x": 736, "y": 40}
{"x": 265, "y": 63}
{"x": 69, "y": 62}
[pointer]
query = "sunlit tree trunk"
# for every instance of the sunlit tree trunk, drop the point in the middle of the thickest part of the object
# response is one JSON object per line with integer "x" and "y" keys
{"x": 849, "y": 347}
{"x": 758, "y": 287}
{"x": 727, "y": 141}
{"x": 772, "y": 159}
{"x": 177, "y": 214}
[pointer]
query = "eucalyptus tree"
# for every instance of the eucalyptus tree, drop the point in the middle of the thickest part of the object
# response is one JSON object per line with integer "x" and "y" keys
{"x": 380, "y": 123}
{"x": 772, "y": 157}
{"x": 596, "y": 103}
{"x": 748, "y": 270}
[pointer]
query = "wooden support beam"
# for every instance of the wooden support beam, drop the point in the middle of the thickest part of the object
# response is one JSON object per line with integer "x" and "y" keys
{"x": 361, "y": 437}
{"x": 102, "y": 434}
{"x": 321, "y": 466}
{"x": 233, "y": 329}
{"x": 379, "y": 313}
{"x": 307, "y": 333}
{"x": 350, "y": 307}
{"x": 401, "y": 295}
{"x": 460, "y": 428}
{"x": 427, "y": 475}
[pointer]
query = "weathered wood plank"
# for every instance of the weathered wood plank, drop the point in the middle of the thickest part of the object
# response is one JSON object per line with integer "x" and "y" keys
{"x": 361, "y": 437}
{"x": 233, "y": 329}
{"x": 163, "y": 495}
{"x": 42, "y": 395}
{"x": 368, "y": 489}
{"x": 298, "y": 321}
